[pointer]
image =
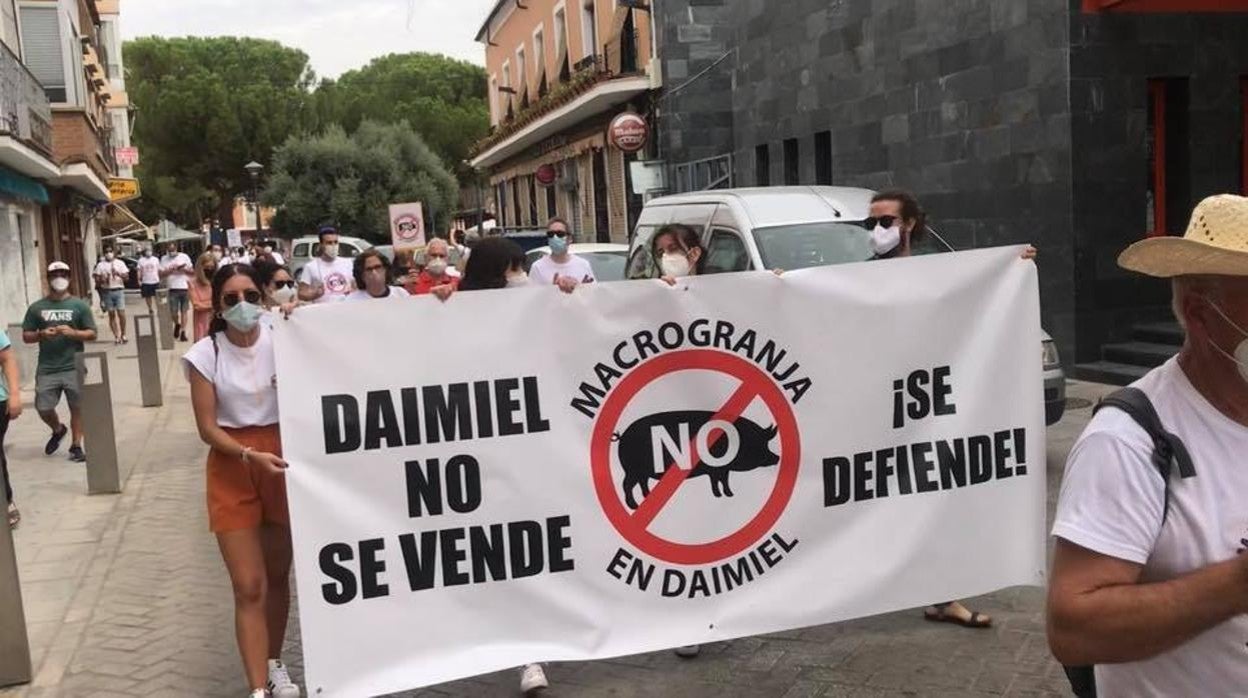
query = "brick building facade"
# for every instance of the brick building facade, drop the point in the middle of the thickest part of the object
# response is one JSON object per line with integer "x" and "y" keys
{"x": 559, "y": 72}
{"x": 1013, "y": 121}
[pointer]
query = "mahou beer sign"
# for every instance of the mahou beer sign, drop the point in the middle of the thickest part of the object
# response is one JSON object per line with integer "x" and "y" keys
{"x": 547, "y": 175}
{"x": 628, "y": 132}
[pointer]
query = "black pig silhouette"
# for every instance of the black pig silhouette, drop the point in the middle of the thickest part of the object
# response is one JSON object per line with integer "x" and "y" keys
{"x": 636, "y": 451}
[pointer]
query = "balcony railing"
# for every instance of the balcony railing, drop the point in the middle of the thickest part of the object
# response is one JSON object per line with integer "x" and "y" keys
{"x": 25, "y": 113}
{"x": 619, "y": 59}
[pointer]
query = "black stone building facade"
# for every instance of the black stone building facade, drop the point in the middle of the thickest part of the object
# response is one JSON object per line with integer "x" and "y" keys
{"x": 1076, "y": 127}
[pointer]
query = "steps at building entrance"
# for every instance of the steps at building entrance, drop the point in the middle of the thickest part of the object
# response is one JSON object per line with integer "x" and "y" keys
{"x": 1159, "y": 332}
{"x": 1151, "y": 345}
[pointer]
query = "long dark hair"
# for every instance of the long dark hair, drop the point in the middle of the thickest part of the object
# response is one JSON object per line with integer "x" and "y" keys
{"x": 266, "y": 269}
{"x": 686, "y": 237}
{"x": 489, "y": 263}
{"x": 223, "y": 275}
{"x": 910, "y": 211}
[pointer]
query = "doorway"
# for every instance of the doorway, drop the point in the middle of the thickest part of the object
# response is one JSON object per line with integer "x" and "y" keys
{"x": 602, "y": 212}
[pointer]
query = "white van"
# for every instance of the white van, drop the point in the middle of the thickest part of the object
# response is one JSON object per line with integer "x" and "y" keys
{"x": 764, "y": 228}
{"x": 791, "y": 228}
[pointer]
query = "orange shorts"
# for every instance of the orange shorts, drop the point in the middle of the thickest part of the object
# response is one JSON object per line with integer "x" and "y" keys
{"x": 244, "y": 495}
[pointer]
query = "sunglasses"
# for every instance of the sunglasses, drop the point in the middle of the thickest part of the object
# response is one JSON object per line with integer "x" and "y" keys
{"x": 883, "y": 221}
{"x": 283, "y": 284}
{"x": 232, "y": 299}
{"x": 556, "y": 234}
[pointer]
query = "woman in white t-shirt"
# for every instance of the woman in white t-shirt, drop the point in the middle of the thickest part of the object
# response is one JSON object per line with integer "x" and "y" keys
{"x": 233, "y": 381}
{"x": 373, "y": 279}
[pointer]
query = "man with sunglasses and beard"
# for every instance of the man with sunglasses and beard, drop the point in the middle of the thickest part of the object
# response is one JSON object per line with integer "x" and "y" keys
{"x": 560, "y": 268}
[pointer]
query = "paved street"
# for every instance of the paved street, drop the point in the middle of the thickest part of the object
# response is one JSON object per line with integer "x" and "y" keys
{"x": 126, "y": 595}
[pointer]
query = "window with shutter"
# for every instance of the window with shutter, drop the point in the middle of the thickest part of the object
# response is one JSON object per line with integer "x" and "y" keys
{"x": 8, "y": 10}
{"x": 41, "y": 43}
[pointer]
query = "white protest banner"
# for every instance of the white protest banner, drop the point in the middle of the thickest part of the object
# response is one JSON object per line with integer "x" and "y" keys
{"x": 407, "y": 225}
{"x": 633, "y": 467}
{"x": 234, "y": 238}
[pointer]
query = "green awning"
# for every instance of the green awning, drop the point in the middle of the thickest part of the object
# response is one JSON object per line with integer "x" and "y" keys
{"x": 22, "y": 187}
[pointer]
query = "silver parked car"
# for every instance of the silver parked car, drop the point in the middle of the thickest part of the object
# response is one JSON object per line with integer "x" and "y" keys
{"x": 792, "y": 228}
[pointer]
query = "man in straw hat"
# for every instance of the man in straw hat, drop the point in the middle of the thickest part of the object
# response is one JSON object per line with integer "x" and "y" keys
{"x": 1149, "y": 582}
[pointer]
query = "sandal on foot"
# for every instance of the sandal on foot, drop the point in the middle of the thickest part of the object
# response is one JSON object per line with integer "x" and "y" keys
{"x": 977, "y": 620}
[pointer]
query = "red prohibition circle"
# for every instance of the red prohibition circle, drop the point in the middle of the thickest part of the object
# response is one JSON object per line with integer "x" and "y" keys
{"x": 756, "y": 384}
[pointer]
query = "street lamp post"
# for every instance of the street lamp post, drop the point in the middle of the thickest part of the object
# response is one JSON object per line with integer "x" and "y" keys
{"x": 254, "y": 169}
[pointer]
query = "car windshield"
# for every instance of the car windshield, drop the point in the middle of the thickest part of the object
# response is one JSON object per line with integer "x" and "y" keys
{"x": 792, "y": 247}
{"x": 607, "y": 266}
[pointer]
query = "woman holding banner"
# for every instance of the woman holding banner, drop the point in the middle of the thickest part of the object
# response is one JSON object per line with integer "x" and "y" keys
{"x": 498, "y": 263}
{"x": 898, "y": 223}
{"x": 233, "y": 381}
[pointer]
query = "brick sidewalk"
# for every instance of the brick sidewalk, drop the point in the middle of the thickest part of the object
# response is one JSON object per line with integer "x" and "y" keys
{"x": 126, "y": 595}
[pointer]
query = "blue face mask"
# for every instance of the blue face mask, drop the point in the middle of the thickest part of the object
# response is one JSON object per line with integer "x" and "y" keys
{"x": 559, "y": 245}
{"x": 243, "y": 317}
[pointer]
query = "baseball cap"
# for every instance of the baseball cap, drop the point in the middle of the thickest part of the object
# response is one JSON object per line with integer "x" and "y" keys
{"x": 57, "y": 266}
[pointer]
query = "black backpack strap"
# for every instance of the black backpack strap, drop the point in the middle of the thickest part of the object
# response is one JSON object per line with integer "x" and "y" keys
{"x": 1169, "y": 450}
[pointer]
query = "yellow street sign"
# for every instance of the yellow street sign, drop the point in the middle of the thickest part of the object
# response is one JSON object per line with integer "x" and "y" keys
{"x": 122, "y": 189}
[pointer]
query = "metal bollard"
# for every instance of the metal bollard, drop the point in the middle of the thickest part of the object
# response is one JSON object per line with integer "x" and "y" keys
{"x": 15, "y": 664}
{"x": 149, "y": 362}
{"x": 97, "y": 424}
{"x": 165, "y": 319}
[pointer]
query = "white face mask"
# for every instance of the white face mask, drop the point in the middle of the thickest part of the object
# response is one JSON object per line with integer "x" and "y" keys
{"x": 436, "y": 266}
{"x": 60, "y": 284}
{"x": 330, "y": 251}
{"x": 517, "y": 280}
{"x": 675, "y": 265}
{"x": 109, "y": 256}
{"x": 283, "y": 295}
{"x": 885, "y": 240}
{"x": 1240, "y": 357}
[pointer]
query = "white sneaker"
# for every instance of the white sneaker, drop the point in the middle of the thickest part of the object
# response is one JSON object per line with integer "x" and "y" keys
{"x": 688, "y": 651}
{"x": 532, "y": 678}
{"x": 280, "y": 685}
{"x": 258, "y": 693}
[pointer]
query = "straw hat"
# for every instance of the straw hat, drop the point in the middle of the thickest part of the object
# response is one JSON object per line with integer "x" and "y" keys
{"x": 1216, "y": 243}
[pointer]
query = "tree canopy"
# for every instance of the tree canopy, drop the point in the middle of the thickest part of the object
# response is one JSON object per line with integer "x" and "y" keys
{"x": 205, "y": 107}
{"x": 350, "y": 180}
{"x": 442, "y": 98}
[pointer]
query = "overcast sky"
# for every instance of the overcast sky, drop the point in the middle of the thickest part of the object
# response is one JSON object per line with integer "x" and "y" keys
{"x": 338, "y": 35}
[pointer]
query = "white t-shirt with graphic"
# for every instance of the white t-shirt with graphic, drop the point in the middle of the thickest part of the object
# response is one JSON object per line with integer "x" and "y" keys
{"x": 181, "y": 268}
{"x": 149, "y": 270}
{"x": 113, "y": 273}
{"x": 335, "y": 277}
{"x": 245, "y": 378}
{"x": 544, "y": 270}
{"x": 1112, "y": 502}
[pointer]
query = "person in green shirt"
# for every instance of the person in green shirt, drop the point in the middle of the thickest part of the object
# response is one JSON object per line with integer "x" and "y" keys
{"x": 59, "y": 323}
{"x": 10, "y": 409}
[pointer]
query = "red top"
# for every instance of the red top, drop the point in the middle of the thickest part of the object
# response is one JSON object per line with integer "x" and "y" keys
{"x": 425, "y": 283}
